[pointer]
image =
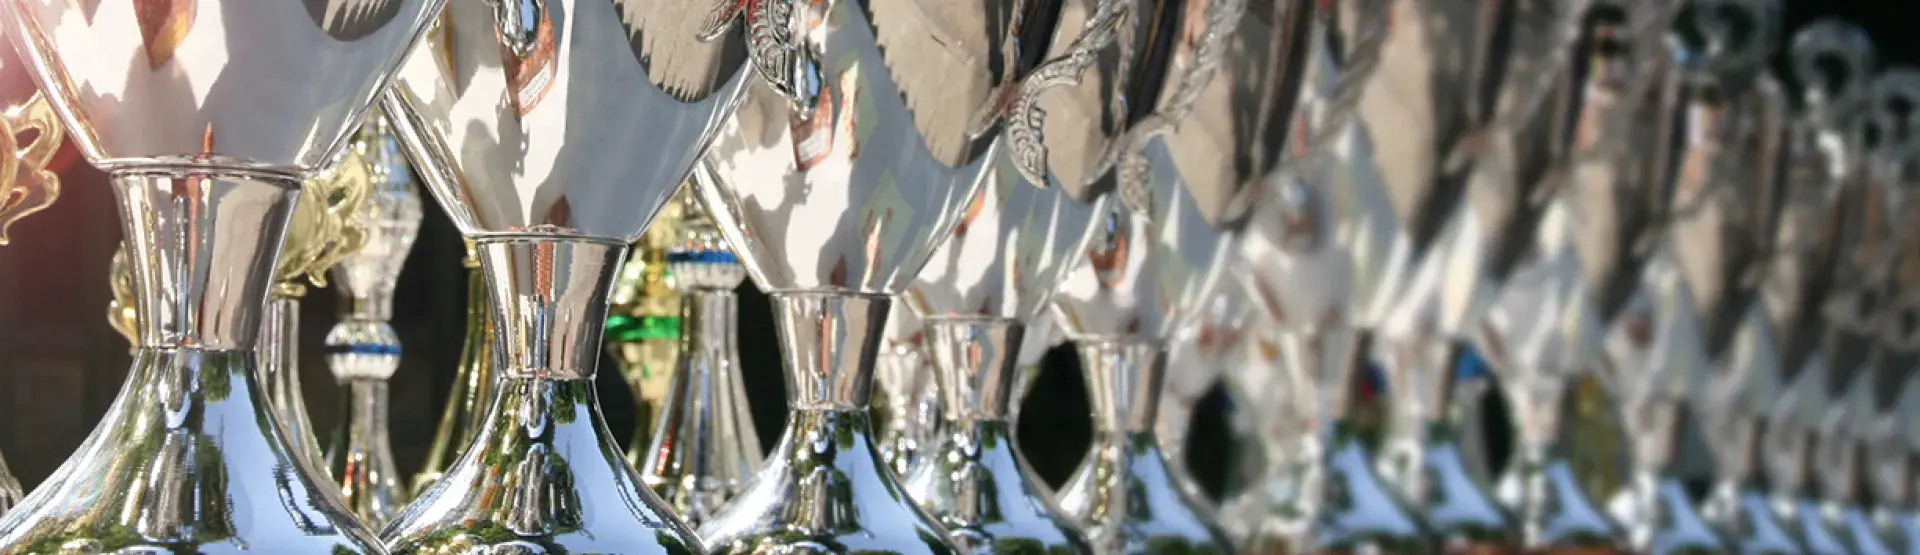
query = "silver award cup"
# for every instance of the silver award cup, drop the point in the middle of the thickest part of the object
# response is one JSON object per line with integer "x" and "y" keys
{"x": 207, "y": 115}
{"x": 905, "y": 400}
{"x": 851, "y": 159}
{"x": 1670, "y": 340}
{"x": 704, "y": 447}
{"x": 1893, "y": 428}
{"x": 551, "y": 131}
{"x": 993, "y": 272}
{"x": 1274, "y": 515}
{"x": 362, "y": 349}
{"x": 1199, "y": 356}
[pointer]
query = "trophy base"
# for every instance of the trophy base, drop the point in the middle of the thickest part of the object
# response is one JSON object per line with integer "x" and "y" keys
{"x": 1556, "y": 513}
{"x": 977, "y": 488}
{"x": 1460, "y": 510}
{"x": 189, "y": 460}
{"x": 824, "y": 489}
{"x": 1749, "y": 522}
{"x": 1127, "y": 499}
{"x": 542, "y": 476}
{"x": 1359, "y": 512}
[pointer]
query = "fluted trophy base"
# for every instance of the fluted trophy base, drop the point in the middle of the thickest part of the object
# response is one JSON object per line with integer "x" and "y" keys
{"x": 1360, "y": 513}
{"x": 1749, "y": 522}
{"x": 1129, "y": 502}
{"x": 974, "y": 482}
{"x": 1557, "y": 517}
{"x": 543, "y": 475}
{"x": 188, "y": 462}
{"x": 1461, "y": 510}
{"x": 824, "y": 489}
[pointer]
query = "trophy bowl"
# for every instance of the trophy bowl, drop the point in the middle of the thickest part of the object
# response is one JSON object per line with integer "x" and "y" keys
{"x": 207, "y": 115}
{"x": 551, "y": 131}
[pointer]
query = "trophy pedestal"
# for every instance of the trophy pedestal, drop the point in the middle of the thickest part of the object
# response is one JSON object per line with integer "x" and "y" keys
{"x": 704, "y": 448}
{"x": 1464, "y": 516}
{"x": 825, "y": 488}
{"x": 1749, "y": 521}
{"x": 369, "y": 481}
{"x": 190, "y": 458}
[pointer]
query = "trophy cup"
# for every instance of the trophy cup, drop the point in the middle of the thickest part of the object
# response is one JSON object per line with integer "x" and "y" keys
{"x": 902, "y": 374}
{"x": 643, "y": 332}
{"x": 206, "y": 152}
{"x": 472, "y": 382}
{"x": 704, "y": 446}
{"x": 551, "y": 131}
{"x": 1699, "y": 285}
{"x": 362, "y": 349}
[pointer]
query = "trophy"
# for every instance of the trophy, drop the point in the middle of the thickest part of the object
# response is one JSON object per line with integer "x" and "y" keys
{"x": 472, "y": 382}
{"x": 1042, "y": 336}
{"x": 551, "y": 132}
{"x": 704, "y": 447}
{"x": 1895, "y": 435}
{"x": 1275, "y": 514}
{"x": 902, "y": 374}
{"x": 643, "y": 332}
{"x": 1700, "y": 283}
{"x": 26, "y": 186}
{"x": 1203, "y": 352}
{"x": 206, "y": 153}
{"x": 362, "y": 349}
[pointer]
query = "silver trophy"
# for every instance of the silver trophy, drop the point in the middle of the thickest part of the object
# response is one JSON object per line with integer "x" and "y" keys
{"x": 1895, "y": 435}
{"x": 704, "y": 446}
{"x": 207, "y": 115}
{"x": 551, "y": 131}
{"x": 902, "y": 403}
{"x": 1274, "y": 515}
{"x": 362, "y": 349}
{"x": 1202, "y": 353}
{"x": 1672, "y": 338}
{"x": 852, "y": 158}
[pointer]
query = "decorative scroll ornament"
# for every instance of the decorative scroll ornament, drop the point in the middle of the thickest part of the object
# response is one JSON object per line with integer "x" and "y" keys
{"x": 1222, "y": 16}
{"x": 776, "y": 44}
{"x": 26, "y": 186}
{"x": 1023, "y": 132}
{"x": 122, "y": 313}
{"x": 325, "y": 226}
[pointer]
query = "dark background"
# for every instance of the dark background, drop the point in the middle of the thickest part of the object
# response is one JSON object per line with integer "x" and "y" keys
{"x": 61, "y": 365}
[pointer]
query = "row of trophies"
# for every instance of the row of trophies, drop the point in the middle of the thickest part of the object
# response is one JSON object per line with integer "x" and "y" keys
{"x": 1282, "y": 192}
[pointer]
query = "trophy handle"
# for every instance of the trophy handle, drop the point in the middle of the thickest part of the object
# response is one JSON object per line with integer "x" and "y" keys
{"x": 1833, "y": 62}
{"x": 1023, "y": 132}
{"x": 777, "y": 45}
{"x": 1218, "y": 22}
{"x": 1717, "y": 21}
{"x": 26, "y": 186}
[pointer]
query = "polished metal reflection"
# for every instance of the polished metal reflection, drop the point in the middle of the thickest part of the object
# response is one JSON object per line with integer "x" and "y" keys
{"x": 907, "y": 415}
{"x": 473, "y": 382}
{"x": 643, "y": 326}
{"x": 10, "y": 491}
{"x": 363, "y": 351}
{"x": 1200, "y": 355}
{"x": 704, "y": 446}
{"x": 1275, "y": 515}
{"x": 543, "y": 470}
{"x": 551, "y": 131}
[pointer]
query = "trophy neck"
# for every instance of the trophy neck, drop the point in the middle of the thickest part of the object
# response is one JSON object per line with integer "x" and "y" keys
{"x": 369, "y": 480}
{"x": 830, "y": 342}
{"x": 472, "y": 385}
{"x": 202, "y": 247}
{"x": 549, "y": 298}
{"x": 1123, "y": 381}
{"x": 704, "y": 447}
{"x": 279, "y": 372}
{"x": 974, "y": 361}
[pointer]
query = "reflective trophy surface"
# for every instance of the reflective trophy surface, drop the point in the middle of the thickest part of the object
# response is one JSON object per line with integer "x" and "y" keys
{"x": 993, "y": 272}
{"x": 363, "y": 351}
{"x": 207, "y": 170}
{"x": 26, "y": 187}
{"x": 643, "y": 330}
{"x": 1200, "y": 355}
{"x": 704, "y": 446}
{"x": 551, "y": 132}
{"x": 1895, "y": 434}
{"x": 906, "y": 400}
{"x": 1670, "y": 343}
{"x": 473, "y": 382}
{"x": 860, "y": 141}
{"x": 1275, "y": 514}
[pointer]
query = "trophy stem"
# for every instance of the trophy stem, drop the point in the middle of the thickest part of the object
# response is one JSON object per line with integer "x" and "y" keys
{"x": 279, "y": 363}
{"x": 190, "y": 458}
{"x": 1557, "y": 513}
{"x": 832, "y": 340}
{"x": 473, "y": 385}
{"x": 549, "y": 299}
{"x": 1126, "y": 484}
{"x": 704, "y": 447}
{"x": 974, "y": 361}
{"x": 369, "y": 480}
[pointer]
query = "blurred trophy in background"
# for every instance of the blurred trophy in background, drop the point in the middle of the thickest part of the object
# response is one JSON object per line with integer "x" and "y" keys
{"x": 1894, "y": 426}
{"x": 473, "y": 382}
{"x": 704, "y": 446}
{"x": 1199, "y": 356}
{"x": 1699, "y": 284}
{"x": 362, "y": 349}
{"x": 643, "y": 330}
{"x": 551, "y": 132}
{"x": 1274, "y": 514}
{"x": 208, "y": 172}
{"x": 26, "y": 186}
{"x": 906, "y": 416}
{"x": 1772, "y": 341}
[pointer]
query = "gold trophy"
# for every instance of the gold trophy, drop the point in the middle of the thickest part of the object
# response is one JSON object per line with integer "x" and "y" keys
{"x": 643, "y": 329}
{"x": 26, "y": 186}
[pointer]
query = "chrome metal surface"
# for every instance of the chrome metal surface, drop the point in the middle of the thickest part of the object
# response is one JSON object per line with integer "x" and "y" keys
{"x": 187, "y": 458}
{"x": 704, "y": 447}
{"x": 1276, "y": 514}
{"x": 545, "y": 139}
{"x": 1200, "y": 355}
{"x": 544, "y": 472}
{"x": 238, "y": 84}
{"x": 824, "y": 487}
{"x": 902, "y": 376}
{"x": 472, "y": 388}
{"x": 363, "y": 351}
{"x": 971, "y": 478}
{"x": 280, "y": 377}
{"x": 1124, "y": 494}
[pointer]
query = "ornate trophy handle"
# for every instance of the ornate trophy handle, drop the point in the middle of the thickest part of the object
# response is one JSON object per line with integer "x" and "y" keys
{"x": 1724, "y": 50}
{"x": 777, "y": 45}
{"x": 26, "y": 186}
{"x": 1831, "y": 44}
{"x": 1220, "y": 18}
{"x": 327, "y": 224}
{"x": 1025, "y": 118}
